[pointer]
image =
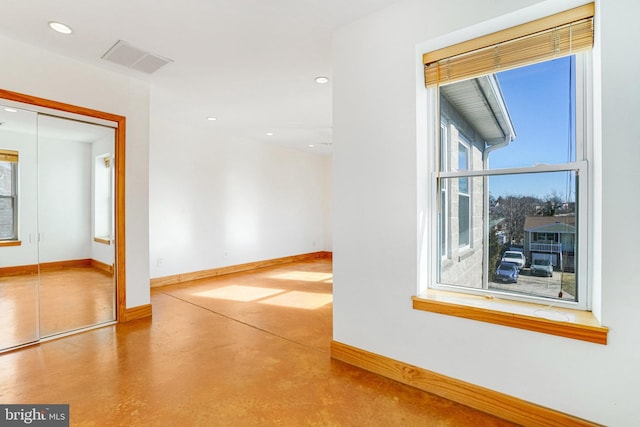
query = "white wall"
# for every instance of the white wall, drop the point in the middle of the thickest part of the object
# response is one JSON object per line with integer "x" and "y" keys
{"x": 37, "y": 72}
{"x": 54, "y": 190}
{"x": 64, "y": 200}
{"x": 379, "y": 212}
{"x": 216, "y": 200}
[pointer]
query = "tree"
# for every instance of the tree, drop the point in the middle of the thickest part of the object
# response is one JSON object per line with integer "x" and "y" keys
{"x": 494, "y": 249}
{"x": 514, "y": 210}
{"x": 552, "y": 203}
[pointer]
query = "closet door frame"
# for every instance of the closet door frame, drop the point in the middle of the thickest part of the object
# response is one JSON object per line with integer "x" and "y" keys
{"x": 120, "y": 132}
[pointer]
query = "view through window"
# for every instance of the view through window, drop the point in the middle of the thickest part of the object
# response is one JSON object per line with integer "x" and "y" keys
{"x": 511, "y": 165}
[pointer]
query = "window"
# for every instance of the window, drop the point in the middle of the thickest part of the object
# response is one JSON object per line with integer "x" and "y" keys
{"x": 103, "y": 198}
{"x": 513, "y": 152}
{"x": 8, "y": 195}
{"x": 444, "y": 199}
{"x": 464, "y": 197}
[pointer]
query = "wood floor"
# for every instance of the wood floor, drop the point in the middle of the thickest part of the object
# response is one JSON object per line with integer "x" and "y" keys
{"x": 248, "y": 349}
{"x": 56, "y": 301}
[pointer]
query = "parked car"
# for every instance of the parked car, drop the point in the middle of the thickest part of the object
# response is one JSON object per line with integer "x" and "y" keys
{"x": 514, "y": 257}
{"x": 507, "y": 272}
{"x": 541, "y": 267}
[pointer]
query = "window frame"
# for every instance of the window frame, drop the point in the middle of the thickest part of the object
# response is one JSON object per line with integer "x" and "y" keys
{"x": 584, "y": 205}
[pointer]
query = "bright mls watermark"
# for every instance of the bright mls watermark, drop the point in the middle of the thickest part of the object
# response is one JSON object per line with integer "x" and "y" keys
{"x": 34, "y": 415}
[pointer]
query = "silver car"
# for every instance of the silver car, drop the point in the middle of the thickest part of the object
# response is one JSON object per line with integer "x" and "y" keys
{"x": 541, "y": 267}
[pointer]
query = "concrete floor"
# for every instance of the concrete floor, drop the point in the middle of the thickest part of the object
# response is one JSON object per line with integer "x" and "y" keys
{"x": 249, "y": 349}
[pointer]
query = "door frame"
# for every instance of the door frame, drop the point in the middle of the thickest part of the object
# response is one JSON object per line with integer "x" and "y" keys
{"x": 120, "y": 135}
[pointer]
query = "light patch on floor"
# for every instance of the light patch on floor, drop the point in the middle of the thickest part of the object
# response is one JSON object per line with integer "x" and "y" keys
{"x": 239, "y": 293}
{"x": 298, "y": 299}
{"x": 307, "y": 276}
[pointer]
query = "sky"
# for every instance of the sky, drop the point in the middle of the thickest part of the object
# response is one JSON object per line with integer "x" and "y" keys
{"x": 537, "y": 97}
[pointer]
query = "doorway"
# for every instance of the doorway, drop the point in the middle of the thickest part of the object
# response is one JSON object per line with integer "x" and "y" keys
{"x": 61, "y": 219}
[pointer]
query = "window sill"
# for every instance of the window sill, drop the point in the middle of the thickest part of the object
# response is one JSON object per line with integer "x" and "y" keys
{"x": 464, "y": 253}
{"x": 576, "y": 324}
{"x": 104, "y": 240}
{"x": 10, "y": 243}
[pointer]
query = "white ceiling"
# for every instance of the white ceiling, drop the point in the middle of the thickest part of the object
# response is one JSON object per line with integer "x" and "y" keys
{"x": 249, "y": 63}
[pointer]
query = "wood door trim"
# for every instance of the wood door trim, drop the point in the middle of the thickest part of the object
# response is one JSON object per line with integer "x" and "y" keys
{"x": 120, "y": 145}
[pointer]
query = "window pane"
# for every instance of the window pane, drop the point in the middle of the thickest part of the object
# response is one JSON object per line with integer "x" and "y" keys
{"x": 7, "y": 216}
{"x": 532, "y": 108}
{"x": 442, "y": 221}
{"x": 463, "y": 185}
{"x": 6, "y": 179}
{"x": 463, "y": 157}
{"x": 463, "y": 220}
{"x": 528, "y": 220}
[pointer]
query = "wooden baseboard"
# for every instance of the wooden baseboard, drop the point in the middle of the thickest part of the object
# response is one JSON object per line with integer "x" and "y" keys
{"x": 135, "y": 313}
{"x": 214, "y": 272}
{"x": 19, "y": 270}
{"x": 72, "y": 263}
{"x": 99, "y": 265}
{"x": 492, "y": 402}
{"x": 55, "y": 265}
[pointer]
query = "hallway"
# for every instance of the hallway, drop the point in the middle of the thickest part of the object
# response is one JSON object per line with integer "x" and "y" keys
{"x": 245, "y": 349}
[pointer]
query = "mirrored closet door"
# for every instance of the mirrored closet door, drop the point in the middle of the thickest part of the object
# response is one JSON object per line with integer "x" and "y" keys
{"x": 18, "y": 227}
{"x": 57, "y": 251}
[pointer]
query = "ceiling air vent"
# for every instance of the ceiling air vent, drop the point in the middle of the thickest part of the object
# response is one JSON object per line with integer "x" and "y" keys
{"x": 123, "y": 53}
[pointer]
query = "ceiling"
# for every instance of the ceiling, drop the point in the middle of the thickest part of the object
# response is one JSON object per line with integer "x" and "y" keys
{"x": 250, "y": 64}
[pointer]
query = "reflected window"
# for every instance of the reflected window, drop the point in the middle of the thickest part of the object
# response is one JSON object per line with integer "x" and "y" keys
{"x": 8, "y": 195}
{"x": 103, "y": 200}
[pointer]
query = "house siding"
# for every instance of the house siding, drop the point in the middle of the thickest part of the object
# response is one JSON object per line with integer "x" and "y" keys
{"x": 463, "y": 265}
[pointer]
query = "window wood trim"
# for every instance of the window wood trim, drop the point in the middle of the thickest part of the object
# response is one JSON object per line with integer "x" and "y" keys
{"x": 8, "y": 156}
{"x": 103, "y": 240}
{"x": 576, "y": 324}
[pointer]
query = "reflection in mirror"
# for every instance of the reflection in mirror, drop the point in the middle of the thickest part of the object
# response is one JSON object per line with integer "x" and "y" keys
{"x": 18, "y": 228}
{"x": 57, "y": 248}
{"x": 75, "y": 218}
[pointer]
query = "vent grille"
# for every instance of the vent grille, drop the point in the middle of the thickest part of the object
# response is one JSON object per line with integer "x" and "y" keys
{"x": 122, "y": 53}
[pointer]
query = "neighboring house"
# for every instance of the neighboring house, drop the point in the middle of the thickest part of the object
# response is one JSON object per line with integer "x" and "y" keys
{"x": 474, "y": 122}
{"x": 551, "y": 237}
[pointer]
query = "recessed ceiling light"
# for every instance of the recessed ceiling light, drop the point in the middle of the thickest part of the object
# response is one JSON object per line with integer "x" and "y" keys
{"x": 269, "y": 133}
{"x": 10, "y": 110}
{"x": 321, "y": 80}
{"x": 60, "y": 27}
{"x": 311, "y": 145}
{"x": 212, "y": 119}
